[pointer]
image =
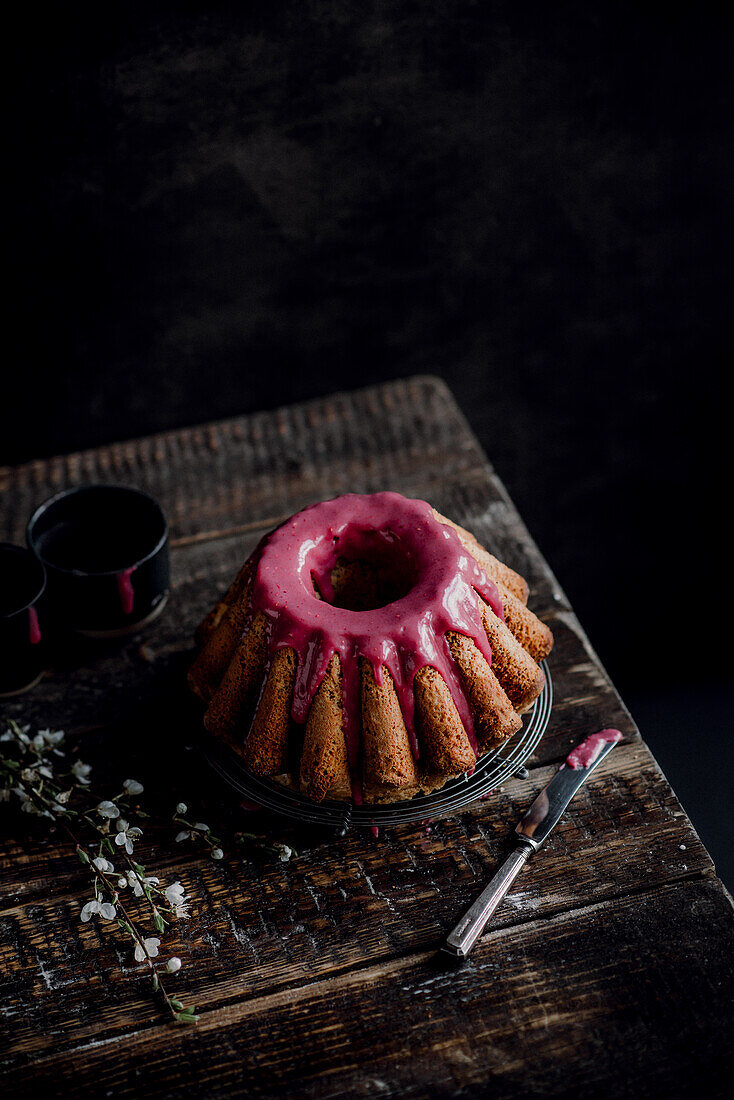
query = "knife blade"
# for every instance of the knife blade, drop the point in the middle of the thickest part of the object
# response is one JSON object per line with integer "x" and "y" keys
{"x": 532, "y": 831}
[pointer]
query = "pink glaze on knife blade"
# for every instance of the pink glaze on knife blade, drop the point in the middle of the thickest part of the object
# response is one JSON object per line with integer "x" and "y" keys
{"x": 584, "y": 755}
{"x": 405, "y": 635}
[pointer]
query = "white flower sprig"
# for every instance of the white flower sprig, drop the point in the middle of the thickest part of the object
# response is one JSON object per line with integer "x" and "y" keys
{"x": 198, "y": 831}
{"x": 284, "y": 852}
{"x": 34, "y": 768}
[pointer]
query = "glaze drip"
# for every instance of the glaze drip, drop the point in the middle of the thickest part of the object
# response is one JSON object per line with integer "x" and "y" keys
{"x": 34, "y": 630}
{"x": 126, "y": 590}
{"x": 409, "y": 633}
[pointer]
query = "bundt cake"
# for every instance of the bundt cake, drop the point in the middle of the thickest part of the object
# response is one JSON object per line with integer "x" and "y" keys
{"x": 369, "y": 648}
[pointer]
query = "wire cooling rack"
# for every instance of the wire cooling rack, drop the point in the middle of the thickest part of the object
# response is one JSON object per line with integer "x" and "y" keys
{"x": 491, "y": 770}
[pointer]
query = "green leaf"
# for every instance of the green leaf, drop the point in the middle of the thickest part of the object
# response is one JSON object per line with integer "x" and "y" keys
{"x": 83, "y": 856}
{"x": 159, "y": 922}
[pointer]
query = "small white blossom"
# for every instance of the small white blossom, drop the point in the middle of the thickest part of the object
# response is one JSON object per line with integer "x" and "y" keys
{"x": 45, "y": 772}
{"x": 151, "y": 949}
{"x": 139, "y": 881}
{"x": 29, "y": 807}
{"x": 25, "y": 800}
{"x": 285, "y": 852}
{"x": 103, "y": 864}
{"x": 108, "y": 809}
{"x": 173, "y": 965}
{"x": 176, "y": 898}
{"x": 126, "y": 835}
{"x": 105, "y": 909}
{"x": 4, "y": 794}
{"x": 217, "y": 853}
{"x": 121, "y": 883}
{"x": 175, "y": 893}
{"x": 201, "y": 827}
{"x": 63, "y": 797}
{"x": 80, "y": 772}
{"x": 29, "y": 774}
{"x": 182, "y": 808}
{"x": 133, "y": 787}
{"x": 51, "y": 737}
{"x": 183, "y": 835}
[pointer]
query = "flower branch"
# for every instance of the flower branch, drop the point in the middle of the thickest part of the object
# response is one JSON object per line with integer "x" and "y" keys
{"x": 36, "y": 771}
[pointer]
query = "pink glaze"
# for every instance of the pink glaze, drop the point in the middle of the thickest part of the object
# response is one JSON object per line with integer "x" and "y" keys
{"x": 404, "y": 636}
{"x": 34, "y": 630}
{"x": 125, "y": 588}
{"x": 584, "y": 755}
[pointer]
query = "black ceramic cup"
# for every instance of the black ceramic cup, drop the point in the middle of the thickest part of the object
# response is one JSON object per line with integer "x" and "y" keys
{"x": 105, "y": 551}
{"x": 22, "y": 584}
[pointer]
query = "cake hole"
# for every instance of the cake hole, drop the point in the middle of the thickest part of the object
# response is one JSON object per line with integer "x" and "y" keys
{"x": 363, "y": 585}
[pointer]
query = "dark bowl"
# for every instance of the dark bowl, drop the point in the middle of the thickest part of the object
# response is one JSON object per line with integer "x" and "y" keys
{"x": 105, "y": 550}
{"x": 22, "y": 585}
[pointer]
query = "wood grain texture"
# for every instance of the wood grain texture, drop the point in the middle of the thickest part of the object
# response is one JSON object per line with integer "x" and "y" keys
{"x": 261, "y": 927}
{"x": 315, "y": 977}
{"x": 588, "y": 1001}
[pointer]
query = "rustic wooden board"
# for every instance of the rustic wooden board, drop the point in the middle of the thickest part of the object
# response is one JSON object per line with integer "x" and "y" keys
{"x": 375, "y": 899}
{"x": 605, "y": 1000}
{"x": 608, "y": 968}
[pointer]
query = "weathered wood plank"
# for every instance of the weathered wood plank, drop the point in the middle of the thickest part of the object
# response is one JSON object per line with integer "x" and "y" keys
{"x": 617, "y": 999}
{"x": 207, "y": 478}
{"x": 339, "y": 905}
{"x": 214, "y": 479}
{"x": 34, "y": 867}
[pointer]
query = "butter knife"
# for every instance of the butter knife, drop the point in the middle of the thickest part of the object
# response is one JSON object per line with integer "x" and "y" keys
{"x": 532, "y": 831}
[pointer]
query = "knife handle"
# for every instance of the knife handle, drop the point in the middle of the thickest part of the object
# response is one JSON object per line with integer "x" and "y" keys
{"x": 460, "y": 942}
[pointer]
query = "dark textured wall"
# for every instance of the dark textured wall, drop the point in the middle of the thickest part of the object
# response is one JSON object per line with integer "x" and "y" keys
{"x": 227, "y": 210}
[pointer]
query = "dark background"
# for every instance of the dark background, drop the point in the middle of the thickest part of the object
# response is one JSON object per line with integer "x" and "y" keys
{"x": 219, "y": 212}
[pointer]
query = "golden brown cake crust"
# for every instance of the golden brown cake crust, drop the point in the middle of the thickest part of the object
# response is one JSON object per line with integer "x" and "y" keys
{"x": 446, "y": 750}
{"x": 241, "y": 681}
{"x": 266, "y": 747}
{"x": 495, "y": 718}
{"x": 324, "y": 771}
{"x": 388, "y": 763}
